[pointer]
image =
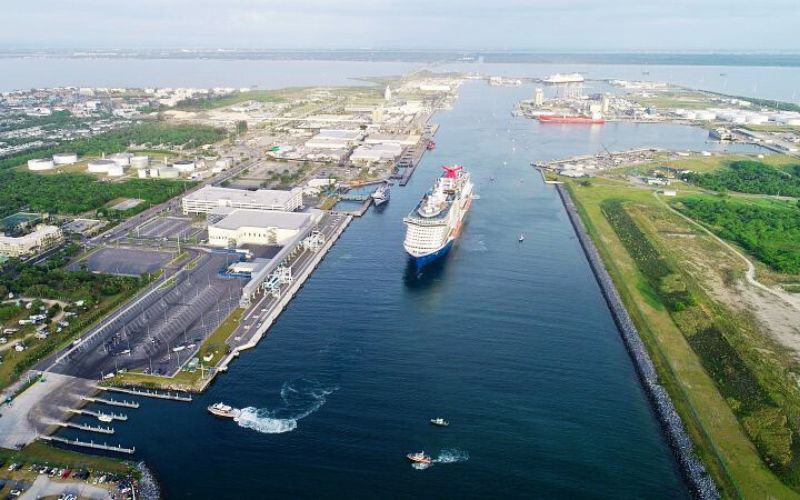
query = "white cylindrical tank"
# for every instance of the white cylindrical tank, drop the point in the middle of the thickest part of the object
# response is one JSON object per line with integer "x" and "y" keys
{"x": 706, "y": 115}
{"x": 40, "y": 164}
{"x": 168, "y": 173}
{"x": 116, "y": 170}
{"x": 794, "y": 122}
{"x": 100, "y": 166}
{"x": 184, "y": 165}
{"x": 65, "y": 158}
{"x": 140, "y": 161}
{"x": 223, "y": 163}
{"x": 142, "y": 173}
{"x": 121, "y": 159}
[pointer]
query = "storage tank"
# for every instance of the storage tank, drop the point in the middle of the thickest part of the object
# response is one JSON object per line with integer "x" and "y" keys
{"x": 223, "y": 163}
{"x": 140, "y": 161}
{"x": 38, "y": 164}
{"x": 65, "y": 158}
{"x": 121, "y": 159}
{"x": 143, "y": 173}
{"x": 184, "y": 165}
{"x": 116, "y": 170}
{"x": 706, "y": 115}
{"x": 100, "y": 166}
{"x": 168, "y": 173}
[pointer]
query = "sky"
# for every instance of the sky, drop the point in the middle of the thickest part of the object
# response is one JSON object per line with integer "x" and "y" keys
{"x": 531, "y": 25}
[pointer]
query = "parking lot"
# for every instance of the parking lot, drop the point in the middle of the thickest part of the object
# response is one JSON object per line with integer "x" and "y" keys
{"x": 124, "y": 261}
{"x": 160, "y": 332}
{"x": 167, "y": 227}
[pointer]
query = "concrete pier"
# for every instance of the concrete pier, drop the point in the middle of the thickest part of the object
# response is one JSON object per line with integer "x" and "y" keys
{"x": 112, "y": 402}
{"x": 149, "y": 394}
{"x": 98, "y": 415}
{"x": 89, "y": 444}
{"x": 85, "y": 427}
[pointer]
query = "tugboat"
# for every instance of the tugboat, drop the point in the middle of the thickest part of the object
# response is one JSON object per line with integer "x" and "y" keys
{"x": 223, "y": 410}
{"x": 419, "y": 458}
{"x": 440, "y": 422}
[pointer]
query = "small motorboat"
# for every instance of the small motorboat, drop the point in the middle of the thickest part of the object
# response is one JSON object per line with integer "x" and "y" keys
{"x": 105, "y": 418}
{"x": 440, "y": 422}
{"x": 223, "y": 410}
{"x": 521, "y": 238}
{"x": 419, "y": 458}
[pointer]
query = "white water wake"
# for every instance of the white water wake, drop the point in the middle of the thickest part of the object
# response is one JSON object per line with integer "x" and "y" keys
{"x": 300, "y": 397}
{"x": 446, "y": 456}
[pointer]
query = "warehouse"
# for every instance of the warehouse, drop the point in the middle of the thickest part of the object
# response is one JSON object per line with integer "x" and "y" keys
{"x": 211, "y": 198}
{"x": 258, "y": 227}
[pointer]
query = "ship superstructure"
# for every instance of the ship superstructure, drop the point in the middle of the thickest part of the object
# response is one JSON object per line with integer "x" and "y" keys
{"x": 436, "y": 222}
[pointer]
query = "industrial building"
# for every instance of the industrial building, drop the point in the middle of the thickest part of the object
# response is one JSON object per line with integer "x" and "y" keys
{"x": 211, "y": 198}
{"x": 42, "y": 237}
{"x": 334, "y": 139}
{"x": 258, "y": 227}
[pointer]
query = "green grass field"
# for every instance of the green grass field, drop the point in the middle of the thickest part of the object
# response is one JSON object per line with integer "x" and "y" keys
{"x": 720, "y": 440}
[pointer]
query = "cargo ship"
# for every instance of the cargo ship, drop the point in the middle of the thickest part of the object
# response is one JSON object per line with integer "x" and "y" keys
{"x": 591, "y": 120}
{"x": 435, "y": 223}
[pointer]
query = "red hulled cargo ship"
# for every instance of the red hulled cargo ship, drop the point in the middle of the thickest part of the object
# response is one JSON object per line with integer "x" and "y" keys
{"x": 591, "y": 120}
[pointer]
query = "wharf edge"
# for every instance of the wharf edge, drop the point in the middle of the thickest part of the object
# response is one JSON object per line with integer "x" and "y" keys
{"x": 700, "y": 482}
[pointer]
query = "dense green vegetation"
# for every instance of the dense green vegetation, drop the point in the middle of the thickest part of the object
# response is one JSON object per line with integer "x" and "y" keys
{"x": 659, "y": 274}
{"x": 206, "y": 103}
{"x": 770, "y": 232}
{"x": 747, "y": 176}
{"x": 148, "y": 134}
{"x": 747, "y": 392}
{"x": 77, "y": 193}
{"x": 51, "y": 280}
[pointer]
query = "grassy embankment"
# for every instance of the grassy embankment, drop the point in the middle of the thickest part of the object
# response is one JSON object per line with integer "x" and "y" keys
{"x": 185, "y": 380}
{"x": 708, "y": 357}
{"x": 43, "y": 454}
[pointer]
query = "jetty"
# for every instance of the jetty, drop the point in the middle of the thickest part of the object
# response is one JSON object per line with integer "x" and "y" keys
{"x": 86, "y": 427}
{"x": 99, "y": 415}
{"x": 89, "y": 444}
{"x": 176, "y": 396}
{"x": 112, "y": 402}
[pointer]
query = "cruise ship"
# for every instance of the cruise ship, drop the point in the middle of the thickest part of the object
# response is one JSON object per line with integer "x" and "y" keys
{"x": 435, "y": 223}
{"x": 564, "y": 78}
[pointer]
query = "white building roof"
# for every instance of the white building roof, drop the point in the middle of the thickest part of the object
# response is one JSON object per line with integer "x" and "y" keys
{"x": 214, "y": 194}
{"x": 263, "y": 218}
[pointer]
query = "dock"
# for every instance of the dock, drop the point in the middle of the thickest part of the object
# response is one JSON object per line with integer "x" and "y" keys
{"x": 97, "y": 414}
{"x": 411, "y": 158}
{"x": 85, "y": 427}
{"x": 112, "y": 402}
{"x": 89, "y": 444}
{"x": 177, "y": 396}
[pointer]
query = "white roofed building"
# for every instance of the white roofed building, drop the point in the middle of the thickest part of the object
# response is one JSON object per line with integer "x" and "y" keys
{"x": 259, "y": 227}
{"x": 211, "y": 198}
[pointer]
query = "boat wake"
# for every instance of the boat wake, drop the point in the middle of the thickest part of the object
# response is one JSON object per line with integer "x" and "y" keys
{"x": 446, "y": 456}
{"x": 300, "y": 397}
